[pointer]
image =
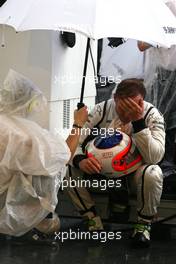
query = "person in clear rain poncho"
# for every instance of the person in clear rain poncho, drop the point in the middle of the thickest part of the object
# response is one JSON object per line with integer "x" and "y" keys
{"x": 32, "y": 160}
{"x": 160, "y": 81}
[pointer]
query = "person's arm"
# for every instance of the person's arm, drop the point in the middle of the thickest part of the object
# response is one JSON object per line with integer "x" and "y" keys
{"x": 80, "y": 117}
{"x": 80, "y": 160}
{"x": 150, "y": 138}
{"x": 149, "y": 135}
{"x": 142, "y": 46}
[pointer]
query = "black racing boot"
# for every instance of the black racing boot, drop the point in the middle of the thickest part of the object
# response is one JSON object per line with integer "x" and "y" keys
{"x": 141, "y": 235}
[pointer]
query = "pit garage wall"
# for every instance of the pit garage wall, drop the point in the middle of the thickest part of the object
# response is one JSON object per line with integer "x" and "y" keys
{"x": 42, "y": 57}
{"x": 67, "y": 72}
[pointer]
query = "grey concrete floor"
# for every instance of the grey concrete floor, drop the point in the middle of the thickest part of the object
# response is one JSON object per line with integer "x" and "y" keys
{"x": 162, "y": 251}
{"x": 90, "y": 252}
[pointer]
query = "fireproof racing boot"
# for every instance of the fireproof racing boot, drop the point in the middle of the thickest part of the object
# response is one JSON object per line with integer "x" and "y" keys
{"x": 95, "y": 224}
{"x": 92, "y": 221}
{"x": 141, "y": 235}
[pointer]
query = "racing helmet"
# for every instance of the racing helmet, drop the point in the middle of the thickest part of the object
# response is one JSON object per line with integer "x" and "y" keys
{"x": 116, "y": 153}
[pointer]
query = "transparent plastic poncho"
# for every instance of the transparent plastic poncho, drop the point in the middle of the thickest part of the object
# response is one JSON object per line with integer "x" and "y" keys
{"x": 160, "y": 77}
{"x": 160, "y": 81}
{"x": 32, "y": 160}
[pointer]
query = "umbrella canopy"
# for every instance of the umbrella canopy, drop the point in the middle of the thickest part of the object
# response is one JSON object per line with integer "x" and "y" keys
{"x": 145, "y": 20}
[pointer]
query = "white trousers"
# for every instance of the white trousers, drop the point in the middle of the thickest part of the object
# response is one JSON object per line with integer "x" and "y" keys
{"x": 146, "y": 183}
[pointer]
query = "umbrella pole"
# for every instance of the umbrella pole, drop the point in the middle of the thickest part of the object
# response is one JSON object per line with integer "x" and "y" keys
{"x": 81, "y": 104}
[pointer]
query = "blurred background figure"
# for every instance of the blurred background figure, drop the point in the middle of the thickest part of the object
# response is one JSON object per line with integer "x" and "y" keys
{"x": 160, "y": 81}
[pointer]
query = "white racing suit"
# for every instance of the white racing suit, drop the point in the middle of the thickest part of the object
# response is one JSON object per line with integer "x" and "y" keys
{"x": 149, "y": 137}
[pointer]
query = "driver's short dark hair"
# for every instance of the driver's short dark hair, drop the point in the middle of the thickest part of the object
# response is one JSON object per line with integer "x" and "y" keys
{"x": 130, "y": 87}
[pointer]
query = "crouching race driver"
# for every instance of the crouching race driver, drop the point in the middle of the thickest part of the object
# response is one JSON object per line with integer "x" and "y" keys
{"x": 140, "y": 120}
